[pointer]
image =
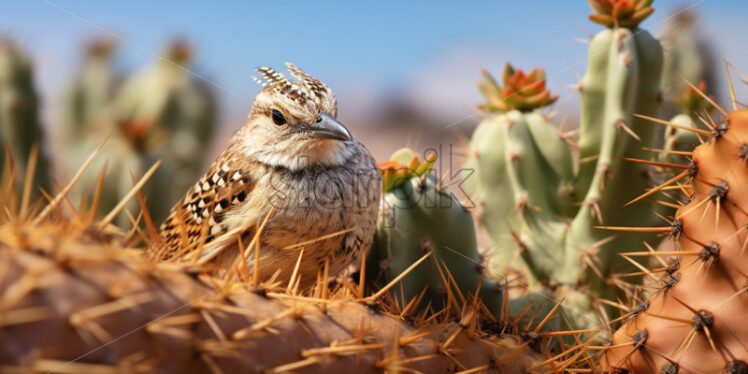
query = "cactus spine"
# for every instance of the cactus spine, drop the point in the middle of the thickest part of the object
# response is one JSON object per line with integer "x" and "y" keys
{"x": 695, "y": 111}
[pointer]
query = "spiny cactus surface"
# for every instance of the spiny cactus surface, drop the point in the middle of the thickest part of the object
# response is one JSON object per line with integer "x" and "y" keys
{"x": 77, "y": 295}
{"x": 693, "y": 322}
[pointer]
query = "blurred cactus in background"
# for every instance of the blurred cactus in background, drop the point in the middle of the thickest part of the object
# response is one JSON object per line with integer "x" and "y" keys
{"x": 688, "y": 57}
{"x": 159, "y": 112}
{"x": 20, "y": 127}
{"x": 164, "y": 113}
{"x": 87, "y": 99}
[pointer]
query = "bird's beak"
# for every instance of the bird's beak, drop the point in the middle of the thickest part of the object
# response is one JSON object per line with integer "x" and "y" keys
{"x": 327, "y": 127}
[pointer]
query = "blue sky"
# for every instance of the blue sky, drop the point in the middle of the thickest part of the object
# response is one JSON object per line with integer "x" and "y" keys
{"x": 391, "y": 46}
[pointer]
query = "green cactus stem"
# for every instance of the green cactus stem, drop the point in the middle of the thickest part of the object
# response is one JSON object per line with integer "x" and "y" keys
{"x": 531, "y": 203}
{"x": 419, "y": 216}
{"x": 20, "y": 126}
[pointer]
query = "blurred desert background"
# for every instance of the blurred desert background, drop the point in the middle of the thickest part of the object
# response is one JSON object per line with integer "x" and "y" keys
{"x": 404, "y": 73}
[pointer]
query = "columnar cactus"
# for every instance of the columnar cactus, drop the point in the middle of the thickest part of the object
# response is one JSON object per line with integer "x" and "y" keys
{"x": 419, "y": 216}
{"x": 522, "y": 165}
{"x": 86, "y": 117}
{"x": 160, "y": 112}
{"x": 20, "y": 125}
{"x": 622, "y": 79}
{"x": 688, "y": 58}
{"x": 533, "y": 205}
{"x": 88, "y": 98}
{"x": 693, "y": 323}
{"x": 164, "y": 113}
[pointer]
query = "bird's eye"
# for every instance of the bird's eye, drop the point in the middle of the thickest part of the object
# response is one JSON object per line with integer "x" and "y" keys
{"x": 319, "y": 119}
{"x": 278, "y": 117}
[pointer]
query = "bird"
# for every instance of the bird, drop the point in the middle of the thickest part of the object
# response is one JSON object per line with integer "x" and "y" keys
{"x": 293, "y": 193}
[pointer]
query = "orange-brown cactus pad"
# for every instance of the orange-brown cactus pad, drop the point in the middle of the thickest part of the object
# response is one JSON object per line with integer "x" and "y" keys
{"x": 697, "y": 322}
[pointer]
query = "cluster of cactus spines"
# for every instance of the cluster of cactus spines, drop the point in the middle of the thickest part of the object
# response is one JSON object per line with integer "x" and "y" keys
{"x": 531, "y": 203}
{"x": 688, "y": 58}
{"x": 77, "y": 296}
{"x": 692, "y": 322}
{"x": 418, "y": 217}
{"x": 696, "y": 110}
{"x": 160, "y": 112}
{"x": 20, "y": 125}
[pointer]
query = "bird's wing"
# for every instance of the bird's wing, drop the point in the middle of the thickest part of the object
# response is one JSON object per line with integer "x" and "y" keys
{"x": 200, "y": 213}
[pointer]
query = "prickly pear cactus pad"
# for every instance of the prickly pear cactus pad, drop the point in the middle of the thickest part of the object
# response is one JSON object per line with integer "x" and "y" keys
{"x": 695, "y": 320}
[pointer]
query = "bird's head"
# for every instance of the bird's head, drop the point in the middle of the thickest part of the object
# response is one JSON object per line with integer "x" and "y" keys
{"x": 293, "y": 125}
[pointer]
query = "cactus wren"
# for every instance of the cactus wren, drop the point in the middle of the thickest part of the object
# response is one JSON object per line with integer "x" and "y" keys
{"x": 296, "y": 169}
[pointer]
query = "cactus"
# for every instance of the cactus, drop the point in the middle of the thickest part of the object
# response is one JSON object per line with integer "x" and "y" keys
{"x": 530, "y": 201}
{"x": 157, "y": 113}
{"x": 19, "y": 112}
{"x": 520, "y": 163}
{"x": 164, "y": 113}
{"x": 77, "y": 296}
{"x": 688, "y": 58}
{"x": 86, "y": 121}
{"x": 87, "y": 100}
{"x": 691, "y": 323}
{"x": 420, "y": 216}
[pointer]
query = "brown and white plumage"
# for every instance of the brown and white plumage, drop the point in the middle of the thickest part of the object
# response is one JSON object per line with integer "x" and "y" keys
{"x": 305, "y": 174}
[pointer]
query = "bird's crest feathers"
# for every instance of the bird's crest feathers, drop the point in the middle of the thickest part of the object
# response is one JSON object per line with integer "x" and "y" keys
{"x": 306, "y": 89}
